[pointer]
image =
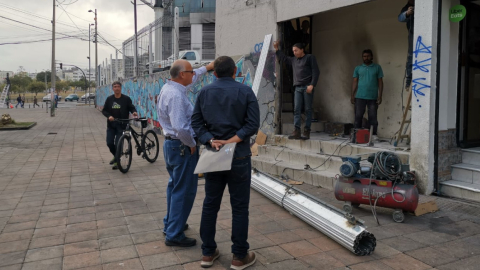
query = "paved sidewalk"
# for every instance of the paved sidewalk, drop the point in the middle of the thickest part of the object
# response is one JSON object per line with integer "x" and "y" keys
{"x": 62, "y": 207}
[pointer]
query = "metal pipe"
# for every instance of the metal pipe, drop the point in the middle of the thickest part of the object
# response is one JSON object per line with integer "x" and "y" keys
{"x": 336, "y": 224}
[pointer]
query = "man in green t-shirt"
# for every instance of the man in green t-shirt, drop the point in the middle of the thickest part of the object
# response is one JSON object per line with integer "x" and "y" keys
{"x": 367, "y": 91}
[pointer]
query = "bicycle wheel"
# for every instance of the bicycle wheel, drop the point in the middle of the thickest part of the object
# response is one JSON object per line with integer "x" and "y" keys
{"x": 124, "y": 154}
{"x": 150, "y": 146}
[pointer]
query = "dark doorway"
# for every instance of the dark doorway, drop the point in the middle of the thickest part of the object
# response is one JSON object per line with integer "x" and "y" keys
{"x": 469, "y": 116}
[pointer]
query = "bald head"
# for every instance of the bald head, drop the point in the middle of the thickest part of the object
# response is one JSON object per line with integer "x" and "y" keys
{"x": 182, "y": 72}
{"x": 177, "y": 67}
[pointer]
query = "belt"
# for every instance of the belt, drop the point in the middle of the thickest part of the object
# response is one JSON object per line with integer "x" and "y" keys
{"x": 240, "y": 158}
{"x": 168, "y": 138}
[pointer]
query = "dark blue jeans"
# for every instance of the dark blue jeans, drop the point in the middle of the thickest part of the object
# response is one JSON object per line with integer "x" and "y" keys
{"x": 238, "y": 180}
{"x": 360, "y": 105}
{"x": 113, "y": 135}
{"x": 181, "y": 188}
{"x": 302, "y": 98}
{"x": 408, "y": 77}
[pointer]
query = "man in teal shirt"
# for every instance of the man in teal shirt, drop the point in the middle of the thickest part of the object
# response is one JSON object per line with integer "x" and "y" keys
{"x": 367, "y": 91}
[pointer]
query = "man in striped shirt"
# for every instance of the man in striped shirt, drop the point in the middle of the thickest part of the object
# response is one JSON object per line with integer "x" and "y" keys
{"x": 179, "y": 150}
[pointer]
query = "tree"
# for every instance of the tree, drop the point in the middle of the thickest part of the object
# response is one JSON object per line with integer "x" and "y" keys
{"x": 20, "y": 82}
{"x": 61, "y": 85}
{"x": 36, "y": 87}
{"x": 41, "y": 76}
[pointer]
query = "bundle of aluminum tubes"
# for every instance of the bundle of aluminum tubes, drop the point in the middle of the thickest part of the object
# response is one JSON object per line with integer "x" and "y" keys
{"x": 336, "y": 224}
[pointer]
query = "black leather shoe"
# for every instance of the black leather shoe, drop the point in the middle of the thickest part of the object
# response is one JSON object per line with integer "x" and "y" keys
{"x": 184, "y": 228}
{"x": 185, "y": 242}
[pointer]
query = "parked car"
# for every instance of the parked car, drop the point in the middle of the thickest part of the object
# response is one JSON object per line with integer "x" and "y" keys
{"x": 88, "y": 95}
{"x": 48, "y": 97}
{"x": 71, "y": 97}
{"x": 192, "y": 56}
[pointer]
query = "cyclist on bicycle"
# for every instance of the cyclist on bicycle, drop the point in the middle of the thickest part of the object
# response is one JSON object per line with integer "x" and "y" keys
{"x": 117, "y": 106}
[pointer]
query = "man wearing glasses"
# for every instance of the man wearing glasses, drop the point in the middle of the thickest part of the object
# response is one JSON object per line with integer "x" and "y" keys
{"x": 179, "y": 150}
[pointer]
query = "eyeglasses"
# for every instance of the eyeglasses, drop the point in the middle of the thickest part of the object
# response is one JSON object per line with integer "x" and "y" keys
{"x": 190, "y": 71}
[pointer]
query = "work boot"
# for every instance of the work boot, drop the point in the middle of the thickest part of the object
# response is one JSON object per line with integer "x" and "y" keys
{"x": 295, "y": 135}
{"x": 239, "y": 264}
{"x": 306, "y": 134}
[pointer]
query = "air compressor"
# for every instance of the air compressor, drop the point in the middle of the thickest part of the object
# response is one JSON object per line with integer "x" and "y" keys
{"x": 386, "y": 182}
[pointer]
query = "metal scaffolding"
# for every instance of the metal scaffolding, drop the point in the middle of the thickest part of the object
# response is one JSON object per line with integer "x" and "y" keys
{"x": 147, "y": 41}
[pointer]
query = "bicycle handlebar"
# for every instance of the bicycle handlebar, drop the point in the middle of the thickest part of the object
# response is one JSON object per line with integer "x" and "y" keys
{"x": 131, "y": 119}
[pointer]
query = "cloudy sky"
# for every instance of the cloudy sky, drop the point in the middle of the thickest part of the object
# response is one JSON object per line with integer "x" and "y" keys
{"x": 115, "y": 23}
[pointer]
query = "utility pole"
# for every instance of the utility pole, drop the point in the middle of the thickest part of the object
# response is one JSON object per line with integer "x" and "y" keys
{"x": 136, "y": 38}
{"x": 97, "y": 76}
{"x": 52, "y": 100}
{"x": 89, "y": 67}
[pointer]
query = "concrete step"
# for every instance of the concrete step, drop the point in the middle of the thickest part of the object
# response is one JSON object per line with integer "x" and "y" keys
{"x": 288, "y": 128}
{"x": 471, "y": 156}
{"x": 332, "y": 146}
{"x": 314, "y": 160}
{"x": 324, "y": 179}
{"x": 467, "y": 173}
{"x": 460, "y": 189}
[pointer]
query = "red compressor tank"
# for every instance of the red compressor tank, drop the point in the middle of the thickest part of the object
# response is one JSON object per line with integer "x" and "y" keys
{"x": 356, "y": 191}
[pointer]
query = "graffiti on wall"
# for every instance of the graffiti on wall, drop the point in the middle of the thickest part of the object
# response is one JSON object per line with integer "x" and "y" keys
{"x": 144, "y": 91}
{"x": 422, "y": 62}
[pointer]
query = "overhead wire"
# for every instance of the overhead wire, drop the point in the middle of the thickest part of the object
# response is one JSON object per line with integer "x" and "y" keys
{"x": 71, "y": 19}
{"x": 24, "y": 23}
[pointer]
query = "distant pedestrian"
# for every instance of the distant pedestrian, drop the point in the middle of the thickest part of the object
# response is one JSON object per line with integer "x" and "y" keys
{"x": 7, "y": 101}
{"x": 35, "y": 101}
{"x": 56, "y": 100}
{"x": 19, "y": 101}
{"x": 23, "y": 101}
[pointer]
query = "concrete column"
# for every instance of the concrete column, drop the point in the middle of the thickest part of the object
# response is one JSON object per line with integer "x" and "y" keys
{"x": 196, "y": 35}
{"x": 150, "y": 51}
{"x": 176, "y": 32}
{"x": 424, "y": 93}
{"x": 158, "y": 33}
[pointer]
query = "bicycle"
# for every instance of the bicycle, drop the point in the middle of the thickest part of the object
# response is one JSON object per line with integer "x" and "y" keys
{"x": 148, "y": 145}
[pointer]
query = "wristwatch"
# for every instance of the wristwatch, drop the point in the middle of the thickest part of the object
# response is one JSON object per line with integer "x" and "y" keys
{"x": 211, "y": 141}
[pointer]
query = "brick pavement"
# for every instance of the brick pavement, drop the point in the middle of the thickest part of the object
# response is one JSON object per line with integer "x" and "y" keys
{"x": 62, "y": 207}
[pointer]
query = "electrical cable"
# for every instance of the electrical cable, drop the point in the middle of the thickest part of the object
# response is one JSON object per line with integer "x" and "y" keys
{"x": 34, "y": 26}
{"x": 34, "y": 41}
{"x": 71, "y": 19}
{"x": 30, "y": 14}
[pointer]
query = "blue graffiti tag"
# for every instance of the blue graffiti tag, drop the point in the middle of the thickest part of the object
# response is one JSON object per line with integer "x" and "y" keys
{"x": 420, "y": 47}
{"x": 418, "y": 86}
{"x": 422, "y": 65}
{"x": 258, "y": 47}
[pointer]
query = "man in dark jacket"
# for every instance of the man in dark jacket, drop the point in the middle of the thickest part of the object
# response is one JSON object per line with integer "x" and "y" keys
{"x": 225, "y": 112}
{"x": 117, "y": 106}
{"x": 305, "y": 77}
{"x": 407, "y": 16}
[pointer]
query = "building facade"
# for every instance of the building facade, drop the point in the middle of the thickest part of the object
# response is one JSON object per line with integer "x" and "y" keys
{"x": 445, "y": 116}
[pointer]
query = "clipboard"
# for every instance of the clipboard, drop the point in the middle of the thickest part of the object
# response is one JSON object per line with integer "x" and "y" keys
{"x": 212, "y": 160}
